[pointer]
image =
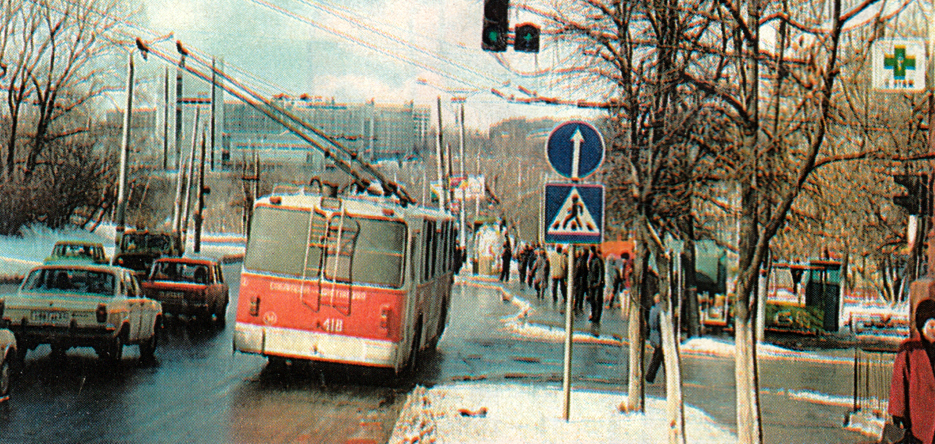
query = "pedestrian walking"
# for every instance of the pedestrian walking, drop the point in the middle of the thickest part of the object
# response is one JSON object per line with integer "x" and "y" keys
{"x": 558, "y": 266}
{"x": 522, "y": 259}
{"x": 531, "y": 258}
{"x": 541, "y": 268}
{"x": 655, "y": 340}
{"x": 505, "y": 257}
{"x": 596, "y": 284}
{"x": 616, "y": 277}
{"x": 581, "y": 279}
{"x": 912, "y": 387}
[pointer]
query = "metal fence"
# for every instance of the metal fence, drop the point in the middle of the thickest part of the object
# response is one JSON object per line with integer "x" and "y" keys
{"x": 873, "y": 368}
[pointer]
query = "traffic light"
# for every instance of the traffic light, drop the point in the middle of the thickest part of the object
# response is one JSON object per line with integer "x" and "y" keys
{"x": 917, "y": 200}
{"x": 527, "y": 38}
{"x": 496, "y": 25}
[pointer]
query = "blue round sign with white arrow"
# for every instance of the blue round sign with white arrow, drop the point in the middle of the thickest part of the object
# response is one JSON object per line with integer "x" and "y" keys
{"x": 575, "y": 149}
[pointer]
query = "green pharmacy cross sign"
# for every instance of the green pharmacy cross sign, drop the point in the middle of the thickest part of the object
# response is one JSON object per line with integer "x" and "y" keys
{"x": 899, "y": 62}
{"x": 899, "y": 65}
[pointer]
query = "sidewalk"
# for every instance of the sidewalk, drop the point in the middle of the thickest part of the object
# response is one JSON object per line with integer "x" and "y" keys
{"x": 486, "y": 412}
{"x": 456, "y": 408}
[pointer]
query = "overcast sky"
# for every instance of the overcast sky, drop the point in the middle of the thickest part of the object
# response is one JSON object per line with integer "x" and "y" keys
{"x": 357, "y": 50}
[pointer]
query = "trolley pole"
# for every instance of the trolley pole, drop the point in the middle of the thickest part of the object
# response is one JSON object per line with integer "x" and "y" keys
{"x": 569, "y": 334}
{"x": 124, "y": 150}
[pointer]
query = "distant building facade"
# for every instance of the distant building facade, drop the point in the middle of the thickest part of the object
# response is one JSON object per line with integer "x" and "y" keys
{"x": 375, "y": 132}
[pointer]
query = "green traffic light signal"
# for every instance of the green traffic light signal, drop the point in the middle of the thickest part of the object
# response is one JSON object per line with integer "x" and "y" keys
{"x": 527, "y": 38}
{"x": 496, "y": 25}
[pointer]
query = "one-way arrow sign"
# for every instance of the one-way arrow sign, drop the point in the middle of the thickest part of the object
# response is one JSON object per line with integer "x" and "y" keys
{"x": 575, "y": 149}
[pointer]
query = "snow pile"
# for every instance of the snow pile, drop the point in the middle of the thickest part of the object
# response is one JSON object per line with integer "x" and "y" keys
{"x": 722, "y": 348}
{"x": 495, "y": 413}
{"x": 518, "y": 325}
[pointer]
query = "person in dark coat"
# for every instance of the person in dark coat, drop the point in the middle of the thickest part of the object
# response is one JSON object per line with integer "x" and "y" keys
{"x": 655, "y": 340}
{"x": 522, "y": 259}
{"x": 912, "y": 387}
{"x": 596, "y": 284}
{"x": 506, "y": 257}
{"x": 581, "y": 279}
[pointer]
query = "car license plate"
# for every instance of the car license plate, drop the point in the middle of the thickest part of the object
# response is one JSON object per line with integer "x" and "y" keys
{"x": 49, "y": 316}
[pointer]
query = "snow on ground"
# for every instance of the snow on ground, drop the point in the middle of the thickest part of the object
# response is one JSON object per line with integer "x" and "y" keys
{"x": 496, "y": 413}
{"x": 435, "y": 415}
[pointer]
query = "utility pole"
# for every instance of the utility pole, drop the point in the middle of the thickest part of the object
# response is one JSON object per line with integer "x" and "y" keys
{"x": 178, "y": 113}
{"x": 440, "y": 159}
{"x": 463, "y": 230}
{"x": 199, "y": 217}
{"x": 190, "y": 175}
{"x": 124, "y": 151}
{"x": 214, "y": 98}
{"x": 165, "y": 122}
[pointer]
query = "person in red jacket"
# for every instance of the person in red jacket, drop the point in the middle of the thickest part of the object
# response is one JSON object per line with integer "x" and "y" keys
{"x": 912, "y": 388}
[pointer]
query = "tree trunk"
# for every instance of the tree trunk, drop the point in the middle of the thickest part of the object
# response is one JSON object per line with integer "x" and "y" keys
{"x": 675, "y": 405}
{"x": 636, "y": 388}
{"x": 690, "y": 293}
{"x": 748, "y": 420}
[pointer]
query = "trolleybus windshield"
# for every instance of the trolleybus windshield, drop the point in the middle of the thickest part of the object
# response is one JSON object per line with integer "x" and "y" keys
{"x": 357, "y": 249}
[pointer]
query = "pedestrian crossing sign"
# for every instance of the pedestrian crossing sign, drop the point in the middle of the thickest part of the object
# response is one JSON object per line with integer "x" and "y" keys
{"x": 574, "y": 213}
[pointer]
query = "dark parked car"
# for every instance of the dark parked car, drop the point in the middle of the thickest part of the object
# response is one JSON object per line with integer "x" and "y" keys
{"x": 189, "y": 286}
{"x": 138, "y": 249}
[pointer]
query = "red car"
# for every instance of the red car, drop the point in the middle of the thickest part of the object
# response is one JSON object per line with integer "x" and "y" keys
{"x": 189, "y": 286}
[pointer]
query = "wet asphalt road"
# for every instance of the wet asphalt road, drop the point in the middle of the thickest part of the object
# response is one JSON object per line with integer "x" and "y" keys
{"x": 198, "y": 391}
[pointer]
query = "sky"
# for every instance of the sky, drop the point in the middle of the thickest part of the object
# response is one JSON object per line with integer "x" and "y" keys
{"x": 391, "y": 51}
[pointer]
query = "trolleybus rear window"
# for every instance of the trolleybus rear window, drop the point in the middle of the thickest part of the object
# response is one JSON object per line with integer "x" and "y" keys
{"x": 367, "y": 250}
{"x": 356, "y": 249}
{"x": 277, "y": 240}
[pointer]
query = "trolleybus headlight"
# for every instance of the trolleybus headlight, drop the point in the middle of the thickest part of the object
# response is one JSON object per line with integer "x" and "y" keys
{"x": 255, "y": 306}
{"x": 385, "y": 312}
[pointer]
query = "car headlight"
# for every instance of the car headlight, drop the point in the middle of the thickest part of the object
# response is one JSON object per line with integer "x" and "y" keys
{"x": 101, "y": 313}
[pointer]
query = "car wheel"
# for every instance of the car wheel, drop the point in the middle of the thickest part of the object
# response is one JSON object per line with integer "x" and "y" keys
{"x": 6, "y": 376}
{"x": 114, "y": 350}
{"x": 148, "y": 348}
{"x": 58, "y": 352}
{"x": 221, "y": 313}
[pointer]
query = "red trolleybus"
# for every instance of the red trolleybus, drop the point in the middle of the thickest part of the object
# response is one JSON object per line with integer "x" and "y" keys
{"x": 350, "y": 279}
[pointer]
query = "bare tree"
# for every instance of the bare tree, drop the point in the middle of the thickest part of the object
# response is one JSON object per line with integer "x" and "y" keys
{"x": 778, "y": 89}
{"x": 765, "y": 76}
{"x": 52, "y": 57}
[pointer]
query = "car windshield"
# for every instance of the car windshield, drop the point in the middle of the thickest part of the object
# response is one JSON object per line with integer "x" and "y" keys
{"x": 145, "y": 241}
{"x": 72, "y": 250}
{"x": 70, "y": 280}
{"x": 180, "y": 272}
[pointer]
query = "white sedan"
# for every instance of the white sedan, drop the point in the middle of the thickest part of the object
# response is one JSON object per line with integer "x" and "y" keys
{"x": 83, "y": 305}
{"x": 7, "y": 355}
